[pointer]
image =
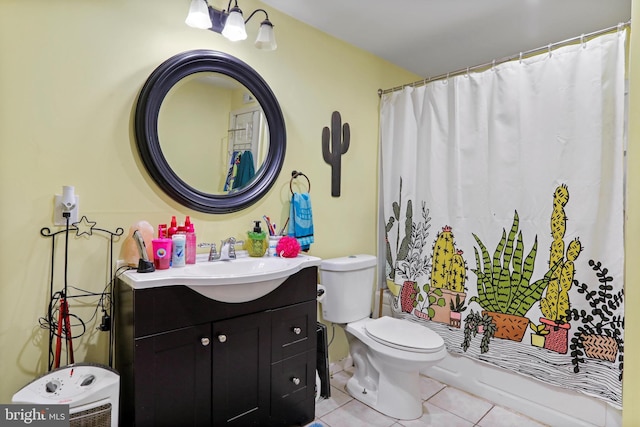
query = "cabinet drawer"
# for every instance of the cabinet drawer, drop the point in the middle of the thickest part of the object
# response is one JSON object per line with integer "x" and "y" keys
{"x": 293, "y": 330}
{"x": 293, "y": 390}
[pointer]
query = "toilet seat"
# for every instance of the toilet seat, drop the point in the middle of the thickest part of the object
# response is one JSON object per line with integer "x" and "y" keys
{"x": 404, "y": 335}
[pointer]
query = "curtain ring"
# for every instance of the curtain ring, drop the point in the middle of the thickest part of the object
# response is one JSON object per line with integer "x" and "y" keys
{"x": 467, "y": 74}
{"x": 493, "y": 65}
{"x": 583, "y": 42}
{"x": 446, "y": 80}
{"x": 549, "y": 49}
{"x": 520, "y": 60}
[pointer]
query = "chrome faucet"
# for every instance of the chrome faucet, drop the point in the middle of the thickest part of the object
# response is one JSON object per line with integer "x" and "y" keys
{"x": 228, "y": 249}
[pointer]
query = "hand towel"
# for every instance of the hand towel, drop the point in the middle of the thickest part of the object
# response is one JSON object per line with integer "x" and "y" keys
{"x": 301, "y": 220}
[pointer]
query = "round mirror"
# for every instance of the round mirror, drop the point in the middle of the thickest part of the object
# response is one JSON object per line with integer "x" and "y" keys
{"x": 210, "y": 132}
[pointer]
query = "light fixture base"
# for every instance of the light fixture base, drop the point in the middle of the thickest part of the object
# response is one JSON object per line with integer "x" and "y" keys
{"x": 218, "y": 19}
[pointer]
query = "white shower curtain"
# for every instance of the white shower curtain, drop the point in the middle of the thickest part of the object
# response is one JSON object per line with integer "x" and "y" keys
{"x": 533, "y": 146}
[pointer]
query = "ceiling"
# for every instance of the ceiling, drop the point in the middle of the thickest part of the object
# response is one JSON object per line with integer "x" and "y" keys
{"x": 434, "y": 37}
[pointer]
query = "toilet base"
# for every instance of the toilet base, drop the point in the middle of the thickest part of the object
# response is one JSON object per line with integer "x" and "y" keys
{"x": 398, "y": 395}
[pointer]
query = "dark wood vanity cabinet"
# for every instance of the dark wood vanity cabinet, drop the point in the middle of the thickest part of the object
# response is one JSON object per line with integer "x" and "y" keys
{"x": 187, "y": 360}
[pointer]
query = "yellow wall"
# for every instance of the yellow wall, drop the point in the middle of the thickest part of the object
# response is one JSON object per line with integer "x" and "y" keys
{"x": 70, "y": 72}
{"x": 631, "y": 385}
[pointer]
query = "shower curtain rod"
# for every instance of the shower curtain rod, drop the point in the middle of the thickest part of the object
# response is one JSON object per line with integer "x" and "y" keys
{"x": 582, "y": 38}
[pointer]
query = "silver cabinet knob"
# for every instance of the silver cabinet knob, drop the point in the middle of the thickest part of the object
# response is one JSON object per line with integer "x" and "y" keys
{"x": 295, "y": 380}
{"x": 297, "y": 330}
{"x": 205, "y": 341}
{"x": 222, "y": 338}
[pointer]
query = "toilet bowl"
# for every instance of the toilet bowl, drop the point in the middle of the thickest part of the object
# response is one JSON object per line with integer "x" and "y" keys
{"x": 388, "y": 353}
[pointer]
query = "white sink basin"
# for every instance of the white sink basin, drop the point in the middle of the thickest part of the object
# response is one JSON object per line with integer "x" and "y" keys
{"x": 238, "y": 280}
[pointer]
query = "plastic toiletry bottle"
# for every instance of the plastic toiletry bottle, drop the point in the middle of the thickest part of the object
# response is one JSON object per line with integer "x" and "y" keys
{"x": 173, "y": 229}
{"x": 256, "y": 241}
{"x": 190, "y": 241}
{"x": 162, "y": 231}
{"x": 273, "y": 244}
{"x": 178, "y": 250}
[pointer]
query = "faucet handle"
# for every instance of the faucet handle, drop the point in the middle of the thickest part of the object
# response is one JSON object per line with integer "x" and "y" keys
{"x": 213, "y": 253}
{"x": 230, "y": 243}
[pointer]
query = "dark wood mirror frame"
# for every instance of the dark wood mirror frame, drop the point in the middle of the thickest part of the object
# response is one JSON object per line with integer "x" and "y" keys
{"x": 147, "y": 111}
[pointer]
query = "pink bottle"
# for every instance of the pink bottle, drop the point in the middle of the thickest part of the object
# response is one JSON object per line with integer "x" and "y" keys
{"x": 191, "y": 241}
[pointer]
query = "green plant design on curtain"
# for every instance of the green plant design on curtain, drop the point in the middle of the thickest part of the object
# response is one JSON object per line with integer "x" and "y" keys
{"x": 600, "y": 333}
{"x": 416, "y": 298}
{"x": 402, "y": 246}
{"x": 474, "y": 324}
{"x": 416, "y": 262}
{"x": 504, "y": 284}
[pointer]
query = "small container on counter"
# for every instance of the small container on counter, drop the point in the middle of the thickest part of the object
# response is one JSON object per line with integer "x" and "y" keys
{"x": 256, "y": 241}
{"x": 178, "y": 253}
{"x": 273, "y": 244}
{"x": 162, "y": 249}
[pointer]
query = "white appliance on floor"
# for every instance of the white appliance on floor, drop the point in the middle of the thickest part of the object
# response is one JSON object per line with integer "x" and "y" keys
{"x": 91, "y": 391}
{"x": 388, "y": 353}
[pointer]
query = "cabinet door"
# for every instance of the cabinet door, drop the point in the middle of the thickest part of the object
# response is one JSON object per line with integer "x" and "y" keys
{"x": 173, "y": 378}
{"x": 241, "y": 360}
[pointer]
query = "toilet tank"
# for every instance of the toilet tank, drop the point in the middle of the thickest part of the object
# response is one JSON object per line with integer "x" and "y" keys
{"x": 349, "y": 287}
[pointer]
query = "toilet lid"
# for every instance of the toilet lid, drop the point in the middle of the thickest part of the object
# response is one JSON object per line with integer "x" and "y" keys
{"x": 404, "y": 334}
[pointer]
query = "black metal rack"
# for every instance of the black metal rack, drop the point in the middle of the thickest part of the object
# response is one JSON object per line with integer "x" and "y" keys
{"x": 81, "y": 228}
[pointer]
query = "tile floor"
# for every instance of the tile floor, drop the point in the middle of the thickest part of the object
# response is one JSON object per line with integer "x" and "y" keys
{"x": 444, "y": 406}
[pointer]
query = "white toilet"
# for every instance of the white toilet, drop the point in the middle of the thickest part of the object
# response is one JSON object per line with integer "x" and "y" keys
{"x": 388, "y": 353}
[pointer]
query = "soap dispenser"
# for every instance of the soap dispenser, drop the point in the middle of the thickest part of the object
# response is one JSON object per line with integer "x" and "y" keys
{"x": 256, "y": 241}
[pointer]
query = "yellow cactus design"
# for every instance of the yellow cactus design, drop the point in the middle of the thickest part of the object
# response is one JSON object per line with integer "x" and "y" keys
{"x": 443, "y": 251}
{"x": 558, "y": 223}
{"x": 457, "y": 273}
{"x": 555, "y": 303}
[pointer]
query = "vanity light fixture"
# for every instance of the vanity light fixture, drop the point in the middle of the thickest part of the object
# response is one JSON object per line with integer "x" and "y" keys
{"x": 230, "y": 23}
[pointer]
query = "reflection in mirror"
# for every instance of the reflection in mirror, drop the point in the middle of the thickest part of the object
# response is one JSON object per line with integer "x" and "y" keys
{"x": 244, "y": 117}
{"x": 212, "y": 132}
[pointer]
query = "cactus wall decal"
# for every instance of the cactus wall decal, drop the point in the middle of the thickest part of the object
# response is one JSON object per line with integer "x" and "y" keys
{"x": 339, "y": 137}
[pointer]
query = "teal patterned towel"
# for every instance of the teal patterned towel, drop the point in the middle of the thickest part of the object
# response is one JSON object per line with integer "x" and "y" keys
{"x": 245, "y": 170}
{"x": 301, "y": 220}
